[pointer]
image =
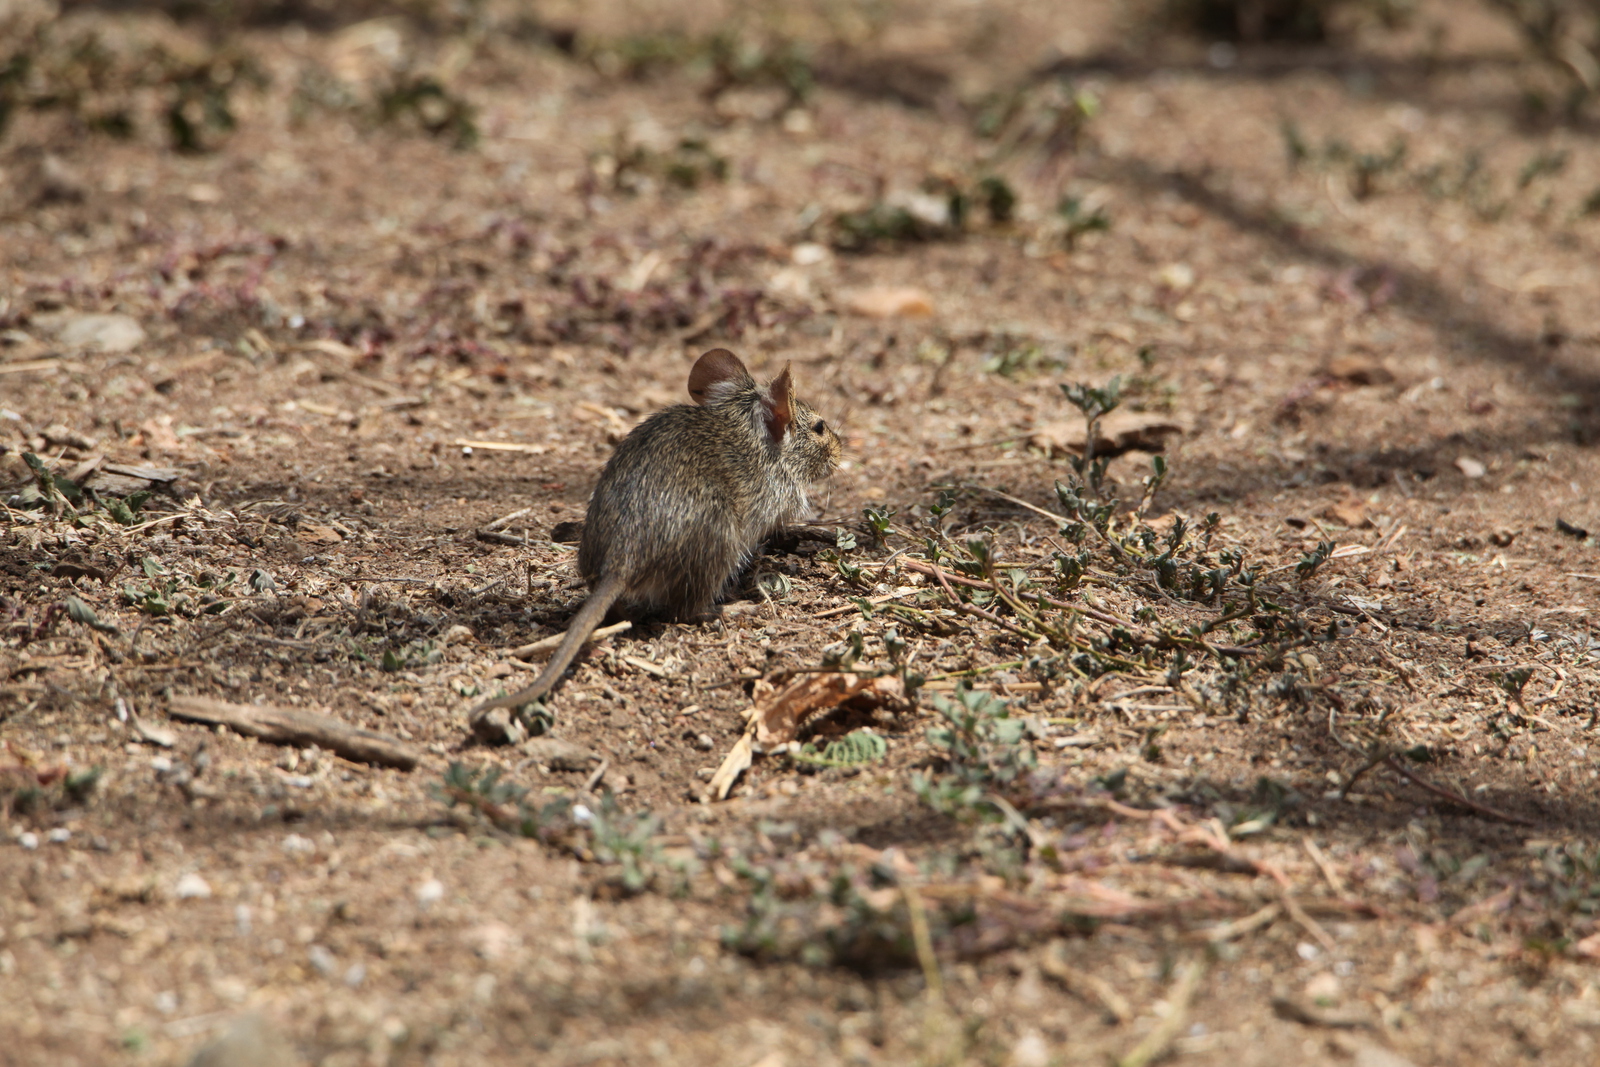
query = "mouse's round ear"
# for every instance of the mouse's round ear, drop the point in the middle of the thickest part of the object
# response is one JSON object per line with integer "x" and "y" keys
{"x": 779, "y": 404}
{"x": 718, "y": 369}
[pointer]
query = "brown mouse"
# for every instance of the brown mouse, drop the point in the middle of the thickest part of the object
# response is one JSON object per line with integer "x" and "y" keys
{"x": 682, "y": 505}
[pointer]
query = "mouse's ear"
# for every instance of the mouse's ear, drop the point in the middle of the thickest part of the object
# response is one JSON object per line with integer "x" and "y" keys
{"x": 779, "y": 405}
{"x": 714, "y": 372}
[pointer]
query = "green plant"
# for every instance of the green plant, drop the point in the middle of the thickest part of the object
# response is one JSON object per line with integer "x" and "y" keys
{"x": 880, "y": 520}
{"x": 1094, "y": 404}
{"x": 620, "y": 841}
{"x": 1080, "y": 218}
{"x": 623, "y": 840}
{"x": 1049, "y": 118}
{"x": 1312, "y": 561}
{"x": 986, "y": 753}
{"x": 1017, "y": 361}
{"x": 426, "y": 102}
{"x": 853, "y": 749}
{"x": 1563, "y": 36}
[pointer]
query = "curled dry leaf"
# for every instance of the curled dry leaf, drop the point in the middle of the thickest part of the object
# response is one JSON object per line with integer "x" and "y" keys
{"x": 1118, "y": 432}
{"x": 778, "y": 713}
{"x": 1359, "y": 369}
{"x": 735, "y": 763}
{"x": 890, "y": 302}
{"x": 1351, "y": 512}
{"x": 779, "y": 710}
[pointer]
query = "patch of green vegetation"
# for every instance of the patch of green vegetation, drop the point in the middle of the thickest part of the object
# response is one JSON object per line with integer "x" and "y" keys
{"x": 822, "y": 914}
{"x": 622, "y": 843}
{"x": 189, "y": 595}
{"x": 734, "y": 56}
{"x": 1024, "y": 360}
{"x": 632, "y": 168}
{"x": 27, "y": 788}
{"x": 852, "y": 750}
{"x": 1078, "y": 217}
{"x": 1367, "y": 173}
{"x": 1048, "y": 119}
{"x": 985, "y": 754}
{"x": 78, "y": 71}
{"x": 942, "y": 210}
{"x": 1563, "y": 37}
{"x": 425, "y": 102}
{"x": 58, "y": 494}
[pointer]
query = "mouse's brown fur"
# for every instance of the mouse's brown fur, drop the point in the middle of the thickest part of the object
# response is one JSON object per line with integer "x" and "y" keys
{"x": 683, "y": 503}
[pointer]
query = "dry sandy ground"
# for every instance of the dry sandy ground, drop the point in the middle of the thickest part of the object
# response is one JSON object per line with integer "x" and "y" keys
{"x": 1393, "y": 354}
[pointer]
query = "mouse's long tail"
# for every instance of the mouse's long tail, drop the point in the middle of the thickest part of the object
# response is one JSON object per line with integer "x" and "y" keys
{"x": 583, "y": 624}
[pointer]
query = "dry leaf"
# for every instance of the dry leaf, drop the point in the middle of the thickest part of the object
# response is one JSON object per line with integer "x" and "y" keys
{"x": 316, "y": 534}
{"x": 1589, "y": 946}
{"x": 1359, "y": 369}
{"x": 735, "y": 763}
{"x": 1118, "y": 432}
{"x": 779, "y": 713}
{"x": 888, "y": 302}
{"x": 1350, "y": 511}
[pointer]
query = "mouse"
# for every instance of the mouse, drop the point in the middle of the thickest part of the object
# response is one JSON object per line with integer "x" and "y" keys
{"x": 681, "y": 507}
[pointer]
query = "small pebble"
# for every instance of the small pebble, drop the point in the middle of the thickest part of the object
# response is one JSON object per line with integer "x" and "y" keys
{"x": 28, "y": 840}
{"x": 191, "y": 886}
{"x": 430, "y": 892}
{"x": 355, "y": 975}
{"x": 322, "y": 960}
{"x": 60, "y": 836}
{"x": 294, "y": 843}
{"x": 250, "y": 1042}
{"x": 1030, "y": 1051}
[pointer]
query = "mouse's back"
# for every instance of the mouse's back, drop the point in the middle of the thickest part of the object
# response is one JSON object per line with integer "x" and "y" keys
{"x": 691, "y": 492}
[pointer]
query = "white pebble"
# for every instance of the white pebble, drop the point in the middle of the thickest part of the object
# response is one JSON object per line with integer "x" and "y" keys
{"x": 191, "y": 887}
{"x": 60, "y": 836}
{"x": 1030, "y": 1051}
{"x": 355, "y": 975}
{"x": 294, "y": 843}
{"x": 321, "y": 959}
{"x": 430, "y": 892}
{"x": 28, "y": 840}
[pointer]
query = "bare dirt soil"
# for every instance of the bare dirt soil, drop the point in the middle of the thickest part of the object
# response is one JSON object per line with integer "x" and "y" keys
{"x": 439, "y": 265}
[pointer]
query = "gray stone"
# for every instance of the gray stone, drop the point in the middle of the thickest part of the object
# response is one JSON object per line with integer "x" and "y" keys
{"x": 249, "y": 1042}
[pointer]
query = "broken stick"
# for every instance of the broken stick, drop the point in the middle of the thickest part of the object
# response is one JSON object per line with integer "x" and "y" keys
{"x": 290, "y": 726}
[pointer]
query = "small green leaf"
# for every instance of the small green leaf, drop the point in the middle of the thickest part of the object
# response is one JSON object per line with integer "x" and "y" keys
{"x": 856, "y": 747}
{"x": 78, "y": 611}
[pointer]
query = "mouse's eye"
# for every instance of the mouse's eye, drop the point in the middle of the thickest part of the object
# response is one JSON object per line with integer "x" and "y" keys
{"x": 820, "y": 428}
